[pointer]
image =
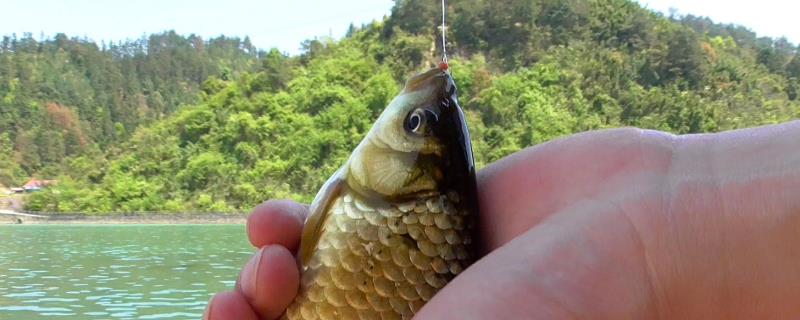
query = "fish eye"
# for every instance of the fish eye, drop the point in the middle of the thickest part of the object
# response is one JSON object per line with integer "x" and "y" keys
{"x": 415, "y": 122}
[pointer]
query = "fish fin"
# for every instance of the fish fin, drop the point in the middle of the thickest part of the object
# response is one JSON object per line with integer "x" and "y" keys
{"x": 318, "y": 214}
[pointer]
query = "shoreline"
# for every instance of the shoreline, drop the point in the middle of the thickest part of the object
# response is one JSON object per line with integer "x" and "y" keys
{"x": 236, "y": 218}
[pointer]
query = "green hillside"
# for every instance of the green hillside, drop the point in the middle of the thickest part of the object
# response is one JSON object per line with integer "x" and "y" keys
{"x": 66, "y": 96}
{"x": 275, "y": 126}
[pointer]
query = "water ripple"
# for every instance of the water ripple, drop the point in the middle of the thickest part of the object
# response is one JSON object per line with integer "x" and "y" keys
{"x": 122, "y": 272}
{"x": 172, "y": 315}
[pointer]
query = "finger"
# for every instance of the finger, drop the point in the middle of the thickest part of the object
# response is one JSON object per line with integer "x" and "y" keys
{"x": 276, "y": 222}
{"x": 229, "y": 305}
{"x": 743, "y": 169}
{"x": 519, "y": 191}
{"x": 269, "y": 281}
{"x": 581, "y": 263}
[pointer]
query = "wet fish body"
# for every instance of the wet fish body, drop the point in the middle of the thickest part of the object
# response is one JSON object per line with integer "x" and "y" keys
{"x": 393, "y": 225}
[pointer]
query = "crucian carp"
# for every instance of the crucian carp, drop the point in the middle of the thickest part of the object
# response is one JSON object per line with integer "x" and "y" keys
{"x": 394, "y": 224}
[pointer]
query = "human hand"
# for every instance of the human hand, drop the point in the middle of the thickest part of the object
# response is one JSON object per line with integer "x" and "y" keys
{"x": 269, "y": 281}
{"x": 620, "y": 223}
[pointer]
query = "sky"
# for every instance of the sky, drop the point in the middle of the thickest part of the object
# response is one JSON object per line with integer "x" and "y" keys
{"x": 269, "y": 23}
{"x": 772, "y": 18}
{"x": 285, "y": 24}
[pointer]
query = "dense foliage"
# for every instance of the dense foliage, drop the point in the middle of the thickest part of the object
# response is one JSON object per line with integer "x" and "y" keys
{"x": 68, "y": 97}
{"x": 528, "y": 71}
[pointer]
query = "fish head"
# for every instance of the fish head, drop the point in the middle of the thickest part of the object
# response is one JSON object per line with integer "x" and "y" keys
{"x": 419, "y": 144}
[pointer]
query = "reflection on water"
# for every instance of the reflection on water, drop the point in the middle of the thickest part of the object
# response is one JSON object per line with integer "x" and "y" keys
{"x": 116, "y": 271}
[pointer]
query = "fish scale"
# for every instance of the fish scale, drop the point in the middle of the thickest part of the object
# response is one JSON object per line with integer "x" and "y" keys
{"x": 381, "y": 264}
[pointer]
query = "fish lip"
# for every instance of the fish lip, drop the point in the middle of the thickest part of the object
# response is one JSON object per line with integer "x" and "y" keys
{"x": 450, "y": 85}
{"x": 448, "y": 95}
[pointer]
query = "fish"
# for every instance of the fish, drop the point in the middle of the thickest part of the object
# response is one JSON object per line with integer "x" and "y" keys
{"x": 395, "y": 223}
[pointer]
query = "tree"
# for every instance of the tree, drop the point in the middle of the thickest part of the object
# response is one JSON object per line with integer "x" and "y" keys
{"x": 10, "y": 172}
{"x": 175, "y": 123}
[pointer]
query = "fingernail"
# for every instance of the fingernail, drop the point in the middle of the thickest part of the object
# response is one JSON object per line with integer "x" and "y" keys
{"x": 250, "y": 273}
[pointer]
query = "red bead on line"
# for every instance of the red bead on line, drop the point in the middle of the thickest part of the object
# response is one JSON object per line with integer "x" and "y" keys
{"x": 443, "y": 65}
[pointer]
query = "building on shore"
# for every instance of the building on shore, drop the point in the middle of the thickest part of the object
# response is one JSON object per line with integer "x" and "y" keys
{"x": 34, "y": 184}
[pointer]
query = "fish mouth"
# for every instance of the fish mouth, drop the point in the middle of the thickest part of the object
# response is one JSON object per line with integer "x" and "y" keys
{"x": 451, "y": 129}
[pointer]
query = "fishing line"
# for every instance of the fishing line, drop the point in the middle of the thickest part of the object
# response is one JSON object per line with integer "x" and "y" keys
{"x": 443, "y": 65}
{"x": 444, "y": 32}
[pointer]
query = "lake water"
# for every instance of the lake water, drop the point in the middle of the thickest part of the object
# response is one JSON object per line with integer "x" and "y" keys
{"x": 116, "y": 271}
